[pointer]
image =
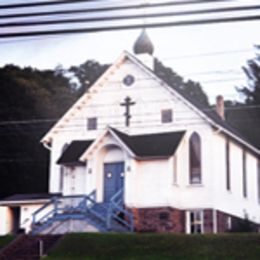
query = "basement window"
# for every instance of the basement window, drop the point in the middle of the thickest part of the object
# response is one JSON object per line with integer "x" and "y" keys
{"x": 166, "y": 116}
{"x": 195, "y": 222}
{"x": 92, "y": 123}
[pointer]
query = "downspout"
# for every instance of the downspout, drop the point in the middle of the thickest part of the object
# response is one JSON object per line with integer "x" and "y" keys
{"x": 215, "y": 221}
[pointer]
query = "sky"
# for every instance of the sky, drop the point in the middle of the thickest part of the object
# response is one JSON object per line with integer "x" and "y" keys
{"x": 210, "y": 54}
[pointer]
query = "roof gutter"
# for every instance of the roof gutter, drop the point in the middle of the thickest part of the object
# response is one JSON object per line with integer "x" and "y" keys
{"x": 47, "y": 146}
{"x": 23, "y": 202}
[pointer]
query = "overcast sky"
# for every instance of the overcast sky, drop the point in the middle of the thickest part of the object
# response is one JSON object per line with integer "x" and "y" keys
{"x": 211, "y": 54}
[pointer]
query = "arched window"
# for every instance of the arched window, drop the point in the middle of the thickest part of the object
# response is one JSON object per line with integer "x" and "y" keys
{"x": 195, "y": 158}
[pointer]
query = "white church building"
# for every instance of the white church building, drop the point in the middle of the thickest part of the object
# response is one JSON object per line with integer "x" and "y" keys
{"x": 134, "y": 154}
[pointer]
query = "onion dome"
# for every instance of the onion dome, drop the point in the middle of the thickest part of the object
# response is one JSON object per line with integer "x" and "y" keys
{"x": 143, "y": 44}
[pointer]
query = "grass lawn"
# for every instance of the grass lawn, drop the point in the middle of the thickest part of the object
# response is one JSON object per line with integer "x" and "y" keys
{"x": 4, "y": 240}
{"x": 157, "y": 246}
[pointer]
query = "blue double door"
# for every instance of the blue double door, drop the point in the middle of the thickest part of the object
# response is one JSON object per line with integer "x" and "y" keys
{"x": 113, "y": 179}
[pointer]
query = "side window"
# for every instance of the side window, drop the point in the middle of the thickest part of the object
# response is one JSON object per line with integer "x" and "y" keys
{"x": 228, "y": 186}
{"x": 195, "y": 159}
{"x": 92, "y": 123}
{"x": 244, "y": 167}
{"x": 166, "y": 116}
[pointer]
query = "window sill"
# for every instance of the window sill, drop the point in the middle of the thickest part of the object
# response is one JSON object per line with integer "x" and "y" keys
{"x": 195, "y": 185}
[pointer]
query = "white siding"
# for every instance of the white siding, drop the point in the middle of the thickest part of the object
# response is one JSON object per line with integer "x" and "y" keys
{"x": 6, "y": 221}
{"x": 150, "y": 183}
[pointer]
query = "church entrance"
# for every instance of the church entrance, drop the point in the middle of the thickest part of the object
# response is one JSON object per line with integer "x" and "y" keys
{"x": 113, "y": 179}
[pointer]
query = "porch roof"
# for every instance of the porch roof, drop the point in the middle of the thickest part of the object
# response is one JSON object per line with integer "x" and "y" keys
{"x": 152, "y": 145}
{"x": 73, "y": 152}
{"x": 19, "y": 199}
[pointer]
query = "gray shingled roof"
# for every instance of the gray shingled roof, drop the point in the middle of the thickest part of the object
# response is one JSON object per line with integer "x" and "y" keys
{"x": 143, "y": 146}
{"x": 73, "y": 152}
{"x": 152, "y": 145}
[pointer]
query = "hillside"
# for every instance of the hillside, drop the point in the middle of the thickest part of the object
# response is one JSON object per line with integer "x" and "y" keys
{"x": 157, "y": 246}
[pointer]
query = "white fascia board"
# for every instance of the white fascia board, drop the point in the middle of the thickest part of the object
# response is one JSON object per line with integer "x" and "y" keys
{"x": 83, "y": 100}
{"x": 95, "y": 143}
{"x": 121, "y": 143}
{"x": 84, "y": 156}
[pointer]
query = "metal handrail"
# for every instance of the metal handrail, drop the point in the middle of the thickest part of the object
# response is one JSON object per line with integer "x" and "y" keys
{"x": 51, "y": 212}
{"x": 115, "y": 206}
{"x": 42, "y": 208}
{"x": 86, "y": 204}
{"x": 55, "y": 203}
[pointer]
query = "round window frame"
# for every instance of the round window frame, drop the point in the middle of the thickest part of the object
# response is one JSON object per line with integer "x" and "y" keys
{"x": 128, "y": 80}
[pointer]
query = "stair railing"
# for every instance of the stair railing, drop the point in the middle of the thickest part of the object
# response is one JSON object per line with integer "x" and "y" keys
{"x": 42, "y": 212}
{"x": 116, "y": 208}
{"x": 63, "y": 205}
{"x": 88, "y": 204}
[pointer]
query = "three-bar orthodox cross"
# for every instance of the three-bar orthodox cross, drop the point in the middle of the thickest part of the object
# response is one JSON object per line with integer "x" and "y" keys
{"x": 127, "y": 104}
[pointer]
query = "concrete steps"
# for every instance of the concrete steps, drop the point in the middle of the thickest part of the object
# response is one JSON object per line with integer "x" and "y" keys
{"x": 92, "y": 219}
{"x": 71, "y": 226}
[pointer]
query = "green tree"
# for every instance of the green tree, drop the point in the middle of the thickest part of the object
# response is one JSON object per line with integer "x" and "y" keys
{"x": 246, "y": 116}
{"x": 190, "y": 89}
{"x": 28, "y": 95}
{"x": 86, "y": 74}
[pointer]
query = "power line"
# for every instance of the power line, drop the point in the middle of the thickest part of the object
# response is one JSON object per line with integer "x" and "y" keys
{"x": 226, "y": 52}
{"x": 39, "y": 121}
{"x": 129, "y": 17}
{"x": 43, "y": 3}
{"x": 108, "y": 8}
{"x": 220, "y": 80}
{"x": 31, "y": 121}
{"x": 131, "y": 27}
{"x": 210, "y": 72}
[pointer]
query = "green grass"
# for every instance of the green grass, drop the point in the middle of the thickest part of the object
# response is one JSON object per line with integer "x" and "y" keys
{"x": 4, "y": 240}
{"x": 157, "y": 246}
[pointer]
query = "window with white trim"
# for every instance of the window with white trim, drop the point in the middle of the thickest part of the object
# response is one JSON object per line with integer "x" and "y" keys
{"x": 195, "y": 158}
{"x": 229, "y": 222}
{"x": 195, "y": 222}
{"x": 92, "y": 123}
{"x": 228, "y": 183}
{"x": 166, "y": 116}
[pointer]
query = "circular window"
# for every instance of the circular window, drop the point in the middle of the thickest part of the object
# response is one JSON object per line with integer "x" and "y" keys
{"x": 128, "y": 80}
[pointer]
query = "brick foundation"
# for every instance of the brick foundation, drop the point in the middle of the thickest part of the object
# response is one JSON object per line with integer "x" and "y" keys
{"x": 164, "y": 219}
{"x": 229, "y": 223}
{"x": 208, "y": 220}
{"x": 172, "y": 220}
